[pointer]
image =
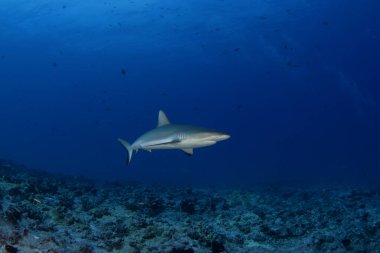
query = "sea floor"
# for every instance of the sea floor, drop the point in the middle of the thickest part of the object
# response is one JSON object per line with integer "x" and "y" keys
{"x": 40, "y": 212}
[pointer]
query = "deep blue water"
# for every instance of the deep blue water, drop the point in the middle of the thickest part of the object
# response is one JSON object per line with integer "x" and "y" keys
{"x": 296, "y": 83}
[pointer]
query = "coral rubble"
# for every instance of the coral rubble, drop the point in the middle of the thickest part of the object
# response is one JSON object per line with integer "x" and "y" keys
{"x": 49, "y": 213}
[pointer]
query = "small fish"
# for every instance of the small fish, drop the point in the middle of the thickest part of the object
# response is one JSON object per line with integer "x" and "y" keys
{"x": 37, "y": 201}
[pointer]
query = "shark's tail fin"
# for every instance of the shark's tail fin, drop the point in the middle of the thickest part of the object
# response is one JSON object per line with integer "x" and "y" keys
{"x": 128, "y": 147}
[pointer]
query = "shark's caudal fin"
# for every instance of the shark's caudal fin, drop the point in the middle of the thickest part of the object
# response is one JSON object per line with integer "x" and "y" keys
{"x": 162, "y": 119}
{"x": 128, "y": 147}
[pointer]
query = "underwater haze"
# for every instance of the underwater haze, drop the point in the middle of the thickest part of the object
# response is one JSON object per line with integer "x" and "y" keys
{"x": 296, "y": 83}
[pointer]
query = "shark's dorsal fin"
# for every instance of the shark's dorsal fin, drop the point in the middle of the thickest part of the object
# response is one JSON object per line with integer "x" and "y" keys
{"x": 162, "y": 119}
{"x": 188, "y": 151}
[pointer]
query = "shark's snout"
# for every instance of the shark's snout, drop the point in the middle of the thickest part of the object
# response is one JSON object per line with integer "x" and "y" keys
{"x": 219, "y": 136}
{"x": 222, "y": 137}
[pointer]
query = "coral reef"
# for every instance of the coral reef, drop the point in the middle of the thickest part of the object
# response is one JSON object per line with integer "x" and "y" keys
{"x": 40, "y": 212}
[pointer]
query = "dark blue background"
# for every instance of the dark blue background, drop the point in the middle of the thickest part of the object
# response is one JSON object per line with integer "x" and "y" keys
{"x": 295, "y": 83}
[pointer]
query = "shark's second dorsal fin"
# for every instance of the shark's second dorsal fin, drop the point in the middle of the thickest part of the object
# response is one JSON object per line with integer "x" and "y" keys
{"x": 162, "y": 119}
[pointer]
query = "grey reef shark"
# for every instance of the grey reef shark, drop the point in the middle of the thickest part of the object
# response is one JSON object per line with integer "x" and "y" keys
{"x": 173, "y": 136}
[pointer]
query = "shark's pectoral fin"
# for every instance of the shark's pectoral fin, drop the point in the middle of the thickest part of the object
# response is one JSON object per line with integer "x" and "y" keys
{"x": 149, "y": 150}
{"x": 188, "y": 151}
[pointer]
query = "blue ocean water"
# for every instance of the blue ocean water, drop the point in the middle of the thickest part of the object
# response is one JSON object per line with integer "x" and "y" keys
{"x": 295, "y": 84}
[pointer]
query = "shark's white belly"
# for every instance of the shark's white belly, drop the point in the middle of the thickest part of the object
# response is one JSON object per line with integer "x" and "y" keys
{"x": 185, "y": 144}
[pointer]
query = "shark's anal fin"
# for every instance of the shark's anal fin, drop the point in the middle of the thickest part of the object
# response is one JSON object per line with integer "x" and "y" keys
{"x": 188, "y": 151}
{"x": 162, "y": 119}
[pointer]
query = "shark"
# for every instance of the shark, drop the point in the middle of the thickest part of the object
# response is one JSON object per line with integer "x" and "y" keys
{"x": 173, "y": 136}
